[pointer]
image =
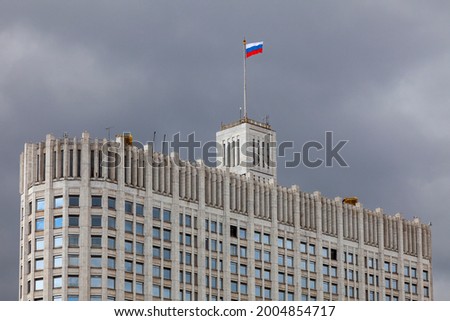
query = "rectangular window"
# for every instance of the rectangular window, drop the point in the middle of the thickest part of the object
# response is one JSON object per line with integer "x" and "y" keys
{"x": 267, "y": 293}
{"x": 387, "y": 283}
{"x": 128, "y": 266}
{"x": 394, "y": 267}
{"x": 326, "y": 286}
{"x": 233, "y": 267}
{"x": 290, "y": 279}
{"x": 111, "y": 243}
{"x": 167, "y": 254}
{"x": 257, "y": 237}
{"x": 312, "y": 266}
{"x": 414, "y": 272}
{"x": 156, "y": 270}
{"x": 166, "y": 216}
{"x": 289, "y": 261}
{"x": 96, "y": 261}
{"x": 166, "y": 235}
{"x": 96, "y": 201}
{"x": 234, "y": 287}
{"x": 394, "y": 283}
{"x": 258, "y": 273}
{"x": 167, "y": 292}
{"x": 139, "y": 287}
{"x": 156, "y": 233}
{"x": 111, "y": 283}
{"x": 139, "y": 268}
{"x": 96, "y": 241}
{"x": 96, "y": 220}
{"x": 258, "y": 291}
{"x": 72, "y": 281}
{"x": 267, "y": 275}
{"x": 406, "y": 270}
{"x": 96, "y": 281}
{"x": 129, "y": 246}
{"x": 281, "y": 277}
{"x": 188, "y": 239}
{"x": 233, "y": 249}
{"x": 38, "y": 284}
{"x": 74, "y": 221}
{"x": 40, "y": 204}
{"x": 243, "y": 251}
{"x": 57, "y": 261}
{"x": 334, "y": 288}
{"x": 325, "y": 252}
{"x": 244, "y": 288}
{"x": 258, "y": 255}
{"x": 156, "y": 291}
{"x": 242, "y": 233}
{"x": 72, "y": 297}
{"x": 111, "y": 223}
{"x": 280, "y": 259}
{"x": 312, "y": 249}
{"x": 128, "y": 226}
{"x": 58, "y": 202}
{"x": 387, "y": 267}
{"x": 333, "y": 271}
{"x": 289, "y": 244}
{"x": 39, "y": 224}
{"x": 426, "y": 291}
{"x": 139, "y": 229}
{"x": 57, "y": 241}
{"x": 128, "y": 286}
{"x": 213, "y": 227}
{"x": 57, "y": 222}
{"x": 112, "y": 203}
{"x": 266, "y": 239}
{"x": 425, "y": 275}
{"x": 303, "y": 247}
{"x": 281, "y": 242}
{"x": 325, "y": 270}
{"x": 266, "y": 256}
{"x": 156, "y": 252}
{"x": 156, "y": 213}
{"x": 74, "y": 260}
{"x": 38, "y": 264}
{"x": 128, "y": 207}
{"x": 243, "y": 270}
{"x": 167, "y": 274}
{"x": 188, "y": 220}
{"x": 139, "y": 209}
{"x": 111, "y": 263}
{"x": 74, "y": 201}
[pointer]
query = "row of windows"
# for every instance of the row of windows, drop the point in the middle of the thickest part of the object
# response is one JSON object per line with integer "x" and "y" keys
{"x": 96, "y": 201}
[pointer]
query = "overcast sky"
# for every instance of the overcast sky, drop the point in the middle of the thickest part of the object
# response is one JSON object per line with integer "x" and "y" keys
{"x": 376, "y": 73}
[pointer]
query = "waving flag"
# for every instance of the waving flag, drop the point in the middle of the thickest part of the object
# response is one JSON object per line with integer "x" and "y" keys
{"x": 253, "y": 48}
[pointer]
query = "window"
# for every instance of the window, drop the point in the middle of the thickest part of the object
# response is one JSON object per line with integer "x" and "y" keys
{"x": 312, "y": 249}
{"x": 289, "y": 261}
{"x": 303, "y": 247}
{"x": 425, "y": 275}
{"x": 128, "y": 286}
{"x": 243, "y": 251}
{"x": 266, "y": 239}
{"x": 188, "y": 239}
{"x": 57, "y": 222}
{"x": 156, "y": 233}
{"x": 406, "y": 270}
{"x": 111, "y": 283}
{"x": 325, "y": 252}
{"x": 258, "y": 255}
{"x": 312, "y": 266}
{"x": 303, "y": 264}
{"x": 57, "y": 241}
{"x": 414, "y": 272}
{"x": 139, "y": 248}
{"x": 325, "y": 270}
{"x": 188, "y": 220}
{"x": 326, "y": 286}
{"x": 290, "y": 279}
{"x": 128, "y": 226}
{"x": 57, "y": 261}
{"x": 426, "y": 291}
{"x": 72, "y": 297}
{"x": 74, "y": 221}
{"x": 111, "y": 243}
{"x": 40, "y": 204}
{"x": 233, "y": 249}
{"x": 156, "y": 213}
{"x": 111, "y": 223}
{"x": 281, "y": 242}
{"x": 333, "y": 271}
{"x": 242, "y": 233}
{"x": 394, "y": 284}
{"x": 281, "y": 277}
{"x": 234, "y": 287}
{"x": 111, "y": 262}
{"x": 111, "y": 203}
{"x": 233, "y": 267}
{"x": 156, "y": 271}
{"x": 74, "y": 201}
{"x": 96, "y": 281}
{"x": 244, "y": 288}
{"x": 139, "y": 268}
{"x": 289, "y": 244}
{"x": 39, "y": 224}
{"x": 57, "y": 298}
{"x": 72, "y": 281}
{"x": 96, "y": 201}
{"x": 258, "y": 290}
{"x": 73, "y": 260}
{"x": 166, "y": 216}
{"x": 213, "y": 227}
{"x": 166, "y": 235}
{"x": 58, "y": 202}
{"x": 96, "y": 241}
{"x": 38, "y": 284}
{"x": 167, "y": 254}
{"x": 139, "y": 209}
{"x": 257, "y": 273}
{"x": 188, "y": 278}
{"x": 333, "y": 254}
{"x": 394, "y": 267}
{"x": 96, "y": 220}
{"x": 407, "y": 287}
{"x": 387, "y": 267}
{"x": 139, "y": 229}
{"x": 266, "y": 256}
{"x": 167, "y": 273}
{"x": 128, "y": 207}
{"x": 129, "y": 266}
{"x": 280, "y": 259}
{"x": 257, "y": 237}
{"x": 243, "y": 270}
{"x": 156, "y": 252}
{"x": 156, "y": 291}
{"x": 267, "y": 275}
{"x": 350, "y": 258}
{"x": 167, "y": 293}
{"x": 334, "y": 288}
{"x": 128, "y": 246}
{"x": 139, "y": 287}
{"x": 267, "y": 293}
{"x": 370, "y": 262}
{"x": 57, "y": 282}
{"x": 414, "y": 288}
{"x": 38, "y": 264}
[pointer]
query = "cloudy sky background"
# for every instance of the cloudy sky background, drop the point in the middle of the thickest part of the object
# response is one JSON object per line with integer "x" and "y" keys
{"x": 376, "y": 73}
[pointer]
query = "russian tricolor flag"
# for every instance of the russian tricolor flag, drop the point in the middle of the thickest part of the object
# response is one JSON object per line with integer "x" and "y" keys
{"x": 253, "y": 48}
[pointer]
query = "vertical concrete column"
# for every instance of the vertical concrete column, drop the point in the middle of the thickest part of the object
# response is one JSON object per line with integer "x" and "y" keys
{"x": 340, "y": 249}
{"x": 148, "y": 220}
{"x": 226, "y": 235}
{"x": 401, "y": 263}
{"x": 361, "y": 252}
{"x": 297, "y": 240}
{"x": 381, "y": 229}
{"x": 188, "y": 181}
{"x": 273, "y": 238}
{"x": 134, "y": 168}
{"x": 103, "y": 164}
{"x": 250, "y": 236}
{"x": 418, "y": 230}
{"x": 120, "y": 217}
{"x": 175, "y": 246}
{"x": 48, "y": 216}
{"x": 318, "y": 210}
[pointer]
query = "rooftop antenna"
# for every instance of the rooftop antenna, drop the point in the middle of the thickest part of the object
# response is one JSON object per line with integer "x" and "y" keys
{"x": 154, "y": 136}
{"x": 108, "y": 132}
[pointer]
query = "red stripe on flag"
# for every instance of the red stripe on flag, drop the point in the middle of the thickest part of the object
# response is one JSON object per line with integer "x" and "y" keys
{"x": 253, "y": 52}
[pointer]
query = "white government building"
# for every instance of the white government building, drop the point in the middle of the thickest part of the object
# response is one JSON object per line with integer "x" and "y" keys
{"x": 157, "y": 228}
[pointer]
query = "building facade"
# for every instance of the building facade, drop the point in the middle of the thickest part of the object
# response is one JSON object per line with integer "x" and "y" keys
{"x": 106, "y": 220}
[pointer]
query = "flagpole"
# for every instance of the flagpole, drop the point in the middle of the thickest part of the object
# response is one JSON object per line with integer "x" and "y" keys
{"x": 245, "y": 82}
